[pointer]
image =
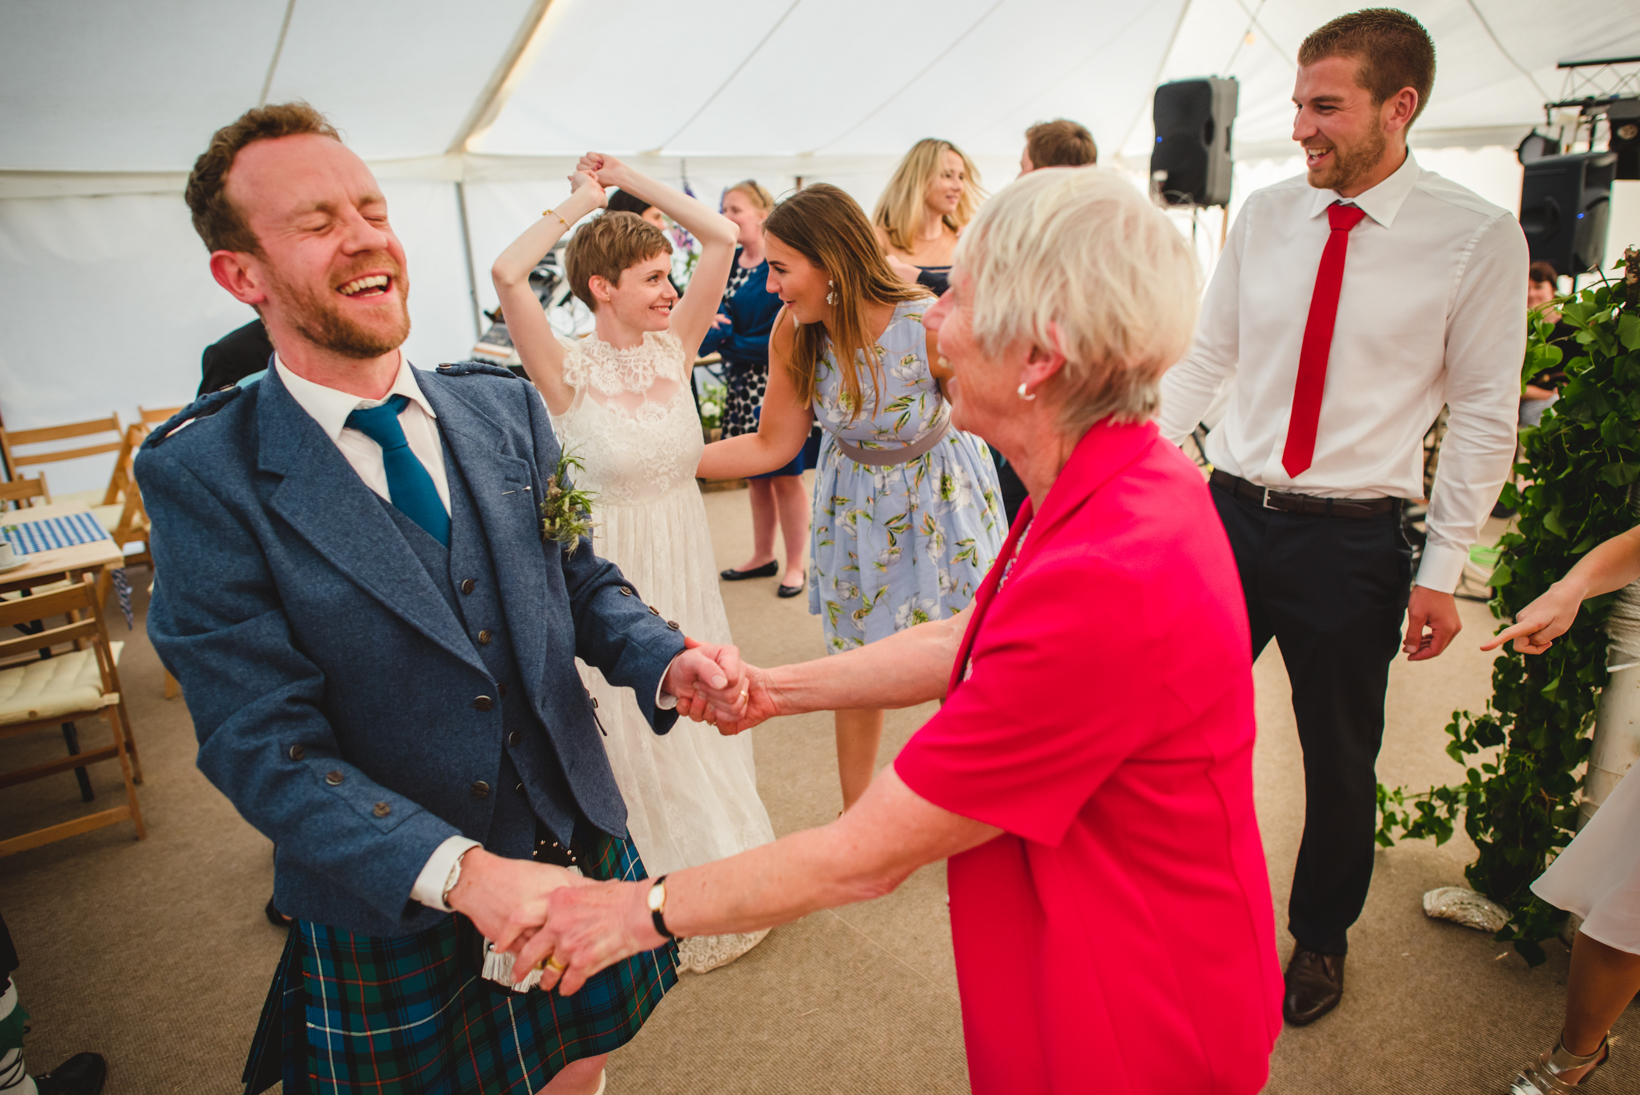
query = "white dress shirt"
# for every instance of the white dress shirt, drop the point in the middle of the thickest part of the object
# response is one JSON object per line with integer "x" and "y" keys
{"x": 330, "y": 409}
{"x": 1432, "y": 311}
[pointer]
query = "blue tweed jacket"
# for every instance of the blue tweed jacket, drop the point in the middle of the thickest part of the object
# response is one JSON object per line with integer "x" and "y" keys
{"x": 331, "y": 687}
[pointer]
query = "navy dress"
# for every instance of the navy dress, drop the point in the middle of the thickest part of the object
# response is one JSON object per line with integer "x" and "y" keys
{"x": 744, "y": 344}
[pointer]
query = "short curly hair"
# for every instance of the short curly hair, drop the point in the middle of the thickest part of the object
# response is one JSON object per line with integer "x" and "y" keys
{"x": 608, "y": 245}
{"x": 1394, "y": 49}
{"x": 217, "y": 221}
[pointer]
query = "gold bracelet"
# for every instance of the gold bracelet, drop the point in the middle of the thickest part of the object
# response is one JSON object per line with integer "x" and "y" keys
{"x": 561, "y": 220}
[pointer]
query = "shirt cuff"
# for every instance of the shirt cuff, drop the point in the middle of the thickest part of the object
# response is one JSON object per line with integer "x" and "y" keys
{"x": 429, "y": 887}
{"x": 665, "y": 701}
{"x": 1442, "y": 567}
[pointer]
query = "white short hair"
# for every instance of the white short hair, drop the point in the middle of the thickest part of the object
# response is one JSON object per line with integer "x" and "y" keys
{"x": 1083, "y": 251}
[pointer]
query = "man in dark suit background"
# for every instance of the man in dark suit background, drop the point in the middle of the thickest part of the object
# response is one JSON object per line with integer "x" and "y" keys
{"x": 377, "y": 643}
{"x": 242, "y": 352}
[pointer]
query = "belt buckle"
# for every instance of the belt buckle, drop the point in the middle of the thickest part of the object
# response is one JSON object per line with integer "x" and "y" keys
{"x": 1266, "y": 500}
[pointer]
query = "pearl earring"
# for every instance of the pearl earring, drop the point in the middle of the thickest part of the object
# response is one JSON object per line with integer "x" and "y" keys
{"x": 831, "y": 298}
{"x": 1022, "y": 393}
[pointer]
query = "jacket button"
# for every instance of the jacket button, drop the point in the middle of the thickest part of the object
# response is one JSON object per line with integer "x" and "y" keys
{"x": 501, "y": 689}
{"x": 480, "y": 789}
{"x": 519, "y": 789}
{"x": 467, "y": 585}
{"x": 482, "y": 703}
{"x": 626, "y": 591}
{"x": 594, "y": 700}
{"x": 483, "y": 638}
{"x": 653, "y": 611}
{"x": 333, "y": 778}
{"x": 514, "y": 738}
{"x": 297, "y": 752}
{"x": 382, "y": 809}
{"x": 673, "y": 624}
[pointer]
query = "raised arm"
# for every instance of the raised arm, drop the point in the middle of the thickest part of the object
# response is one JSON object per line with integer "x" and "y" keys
{"x": 781, "y": 431}
{"x": 532, "y": 335}
{"x": 692, "y": 316}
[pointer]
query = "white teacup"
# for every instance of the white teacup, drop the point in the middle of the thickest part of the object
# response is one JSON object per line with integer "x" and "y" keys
{"x": 8, "y": 554}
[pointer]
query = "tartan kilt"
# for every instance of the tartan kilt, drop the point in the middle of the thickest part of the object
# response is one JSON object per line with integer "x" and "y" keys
{"x": 358, "y": 1013}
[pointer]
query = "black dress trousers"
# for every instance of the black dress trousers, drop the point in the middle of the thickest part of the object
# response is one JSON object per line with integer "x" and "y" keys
{"x": 1332, "y": 592}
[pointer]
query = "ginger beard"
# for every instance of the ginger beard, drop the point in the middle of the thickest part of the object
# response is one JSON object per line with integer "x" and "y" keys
{"x": 1347, "y": 162}
{"x": 324, "y": 321}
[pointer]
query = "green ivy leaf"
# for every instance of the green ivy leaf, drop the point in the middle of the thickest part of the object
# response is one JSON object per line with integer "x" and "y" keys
{"x": 1518, "y": 804}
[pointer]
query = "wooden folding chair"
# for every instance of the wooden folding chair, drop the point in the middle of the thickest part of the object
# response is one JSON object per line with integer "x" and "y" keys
{"x": 153, "y": 416}
{"x": 23, "y": 493}
{"x": 38, "y": 692}
{"x": 13, "y": 440}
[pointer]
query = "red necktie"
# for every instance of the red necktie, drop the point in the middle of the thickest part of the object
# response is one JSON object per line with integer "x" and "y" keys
{"x": 1318, "y": 333}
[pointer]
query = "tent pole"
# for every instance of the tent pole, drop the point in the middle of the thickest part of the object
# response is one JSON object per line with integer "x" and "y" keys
{"x": 505, "y": 78}
{"x": 467, "y": 253}
{"x": 278, "y": 50}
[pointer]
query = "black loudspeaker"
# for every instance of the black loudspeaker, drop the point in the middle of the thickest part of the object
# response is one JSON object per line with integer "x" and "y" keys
{"x": 1564, "y": 202}
{"x": 1190, "y": 164}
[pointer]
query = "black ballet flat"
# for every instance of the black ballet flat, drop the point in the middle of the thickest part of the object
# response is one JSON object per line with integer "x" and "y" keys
{"x": 767, "y": 570}
{"x": 792, "y": 591}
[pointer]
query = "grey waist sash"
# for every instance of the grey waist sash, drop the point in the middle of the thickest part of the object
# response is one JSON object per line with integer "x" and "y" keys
{"x": 883, "y": 458}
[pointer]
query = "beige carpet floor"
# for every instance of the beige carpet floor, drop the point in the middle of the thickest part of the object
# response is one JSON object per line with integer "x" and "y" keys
{"x": 156, "y": 953}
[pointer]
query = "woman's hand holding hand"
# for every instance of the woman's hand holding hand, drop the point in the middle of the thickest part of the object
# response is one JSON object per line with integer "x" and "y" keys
{"x": 606, "y": 169}
{"x": 587, "y": 184}
{"x": 1541, "y": 622}
{"x": 608, "y": 922}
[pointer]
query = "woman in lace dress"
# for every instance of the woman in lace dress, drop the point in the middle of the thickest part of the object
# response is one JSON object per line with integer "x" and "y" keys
{"x": 907, "y": 516}
{"x": 621, "y": 404}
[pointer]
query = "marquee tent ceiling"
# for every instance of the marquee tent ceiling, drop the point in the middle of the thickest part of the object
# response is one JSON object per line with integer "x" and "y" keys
{"x": 102, "y": 87}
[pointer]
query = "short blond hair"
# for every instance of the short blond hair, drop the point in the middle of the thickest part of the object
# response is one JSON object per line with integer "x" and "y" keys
{"x": 1078, "y": 261}
{"x": 609, "y": 245}
{"x": 755, "y": 193}
{"x": 899, "y": 211}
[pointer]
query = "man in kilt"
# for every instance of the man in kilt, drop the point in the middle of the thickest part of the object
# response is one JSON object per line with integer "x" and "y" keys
{"x": 377, "y": 641}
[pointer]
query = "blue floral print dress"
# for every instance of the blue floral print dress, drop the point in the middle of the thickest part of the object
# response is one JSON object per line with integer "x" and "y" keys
{"x": 898, "y": 545}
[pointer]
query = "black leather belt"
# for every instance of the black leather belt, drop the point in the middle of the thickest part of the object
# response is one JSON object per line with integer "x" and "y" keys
{"x": 1288, "y": 502}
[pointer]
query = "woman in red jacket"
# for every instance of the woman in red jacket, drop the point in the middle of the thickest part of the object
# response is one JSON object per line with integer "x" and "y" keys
{"x": 1090, "y": 773}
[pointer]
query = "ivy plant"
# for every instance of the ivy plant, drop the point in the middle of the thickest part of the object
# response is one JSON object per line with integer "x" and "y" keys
{"x": 1581, "y": 464}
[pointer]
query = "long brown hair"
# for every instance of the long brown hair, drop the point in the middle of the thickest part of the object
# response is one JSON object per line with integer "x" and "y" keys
{"x": 827, "y": 227}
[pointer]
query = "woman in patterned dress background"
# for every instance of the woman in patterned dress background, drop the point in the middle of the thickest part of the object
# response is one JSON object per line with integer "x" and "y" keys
{"x": 907, "y": 517}
{"x": 741, "y": 334}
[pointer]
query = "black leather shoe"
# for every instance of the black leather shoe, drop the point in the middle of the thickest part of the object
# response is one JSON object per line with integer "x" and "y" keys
{"x": 792, "y": 591}
{"x": 1315, "y": 984}
{"x": 275, "y": 917}
{"x": 767, "y": 570}
{"x": 81, "y": 1074}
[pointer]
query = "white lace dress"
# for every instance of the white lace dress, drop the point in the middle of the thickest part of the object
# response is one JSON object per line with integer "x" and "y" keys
{"x": 691, "y": 794}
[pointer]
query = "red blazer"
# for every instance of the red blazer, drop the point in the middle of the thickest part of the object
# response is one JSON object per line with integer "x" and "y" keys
{"x": 1119, "y": 935}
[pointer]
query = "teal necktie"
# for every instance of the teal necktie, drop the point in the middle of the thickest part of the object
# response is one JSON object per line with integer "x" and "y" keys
{"x": 409, "y": 487}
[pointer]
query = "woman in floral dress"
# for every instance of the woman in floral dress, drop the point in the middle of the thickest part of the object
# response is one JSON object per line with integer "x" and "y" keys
{"x": 907, "y": 517}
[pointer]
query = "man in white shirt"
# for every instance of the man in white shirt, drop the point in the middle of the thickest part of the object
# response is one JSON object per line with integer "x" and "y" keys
{"x": 1350, "y": 305}
{"x": 378, "y": 644}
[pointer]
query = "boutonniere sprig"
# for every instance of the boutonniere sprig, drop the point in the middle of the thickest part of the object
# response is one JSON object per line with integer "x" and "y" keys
{"x": 566, "y": 513}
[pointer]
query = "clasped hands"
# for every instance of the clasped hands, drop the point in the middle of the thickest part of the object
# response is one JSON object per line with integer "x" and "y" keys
{"x": 539, "y": 911}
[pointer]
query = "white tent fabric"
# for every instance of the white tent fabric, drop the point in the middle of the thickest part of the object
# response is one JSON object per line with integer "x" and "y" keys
{"x": 105, "y": 299}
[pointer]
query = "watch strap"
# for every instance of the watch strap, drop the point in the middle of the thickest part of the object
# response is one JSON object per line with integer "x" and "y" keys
{"x": 658, "y": 915}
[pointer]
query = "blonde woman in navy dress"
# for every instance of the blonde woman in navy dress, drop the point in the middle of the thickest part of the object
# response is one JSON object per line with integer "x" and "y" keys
{"x": 907, "y": 516}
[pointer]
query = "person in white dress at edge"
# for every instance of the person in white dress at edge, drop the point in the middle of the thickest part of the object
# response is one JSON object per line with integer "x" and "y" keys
{"x": 1597, "y": 876}
{"x": 620, "y": 403}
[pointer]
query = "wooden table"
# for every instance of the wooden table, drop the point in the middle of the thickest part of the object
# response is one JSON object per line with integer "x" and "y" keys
{"x": 58, "y": 563}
